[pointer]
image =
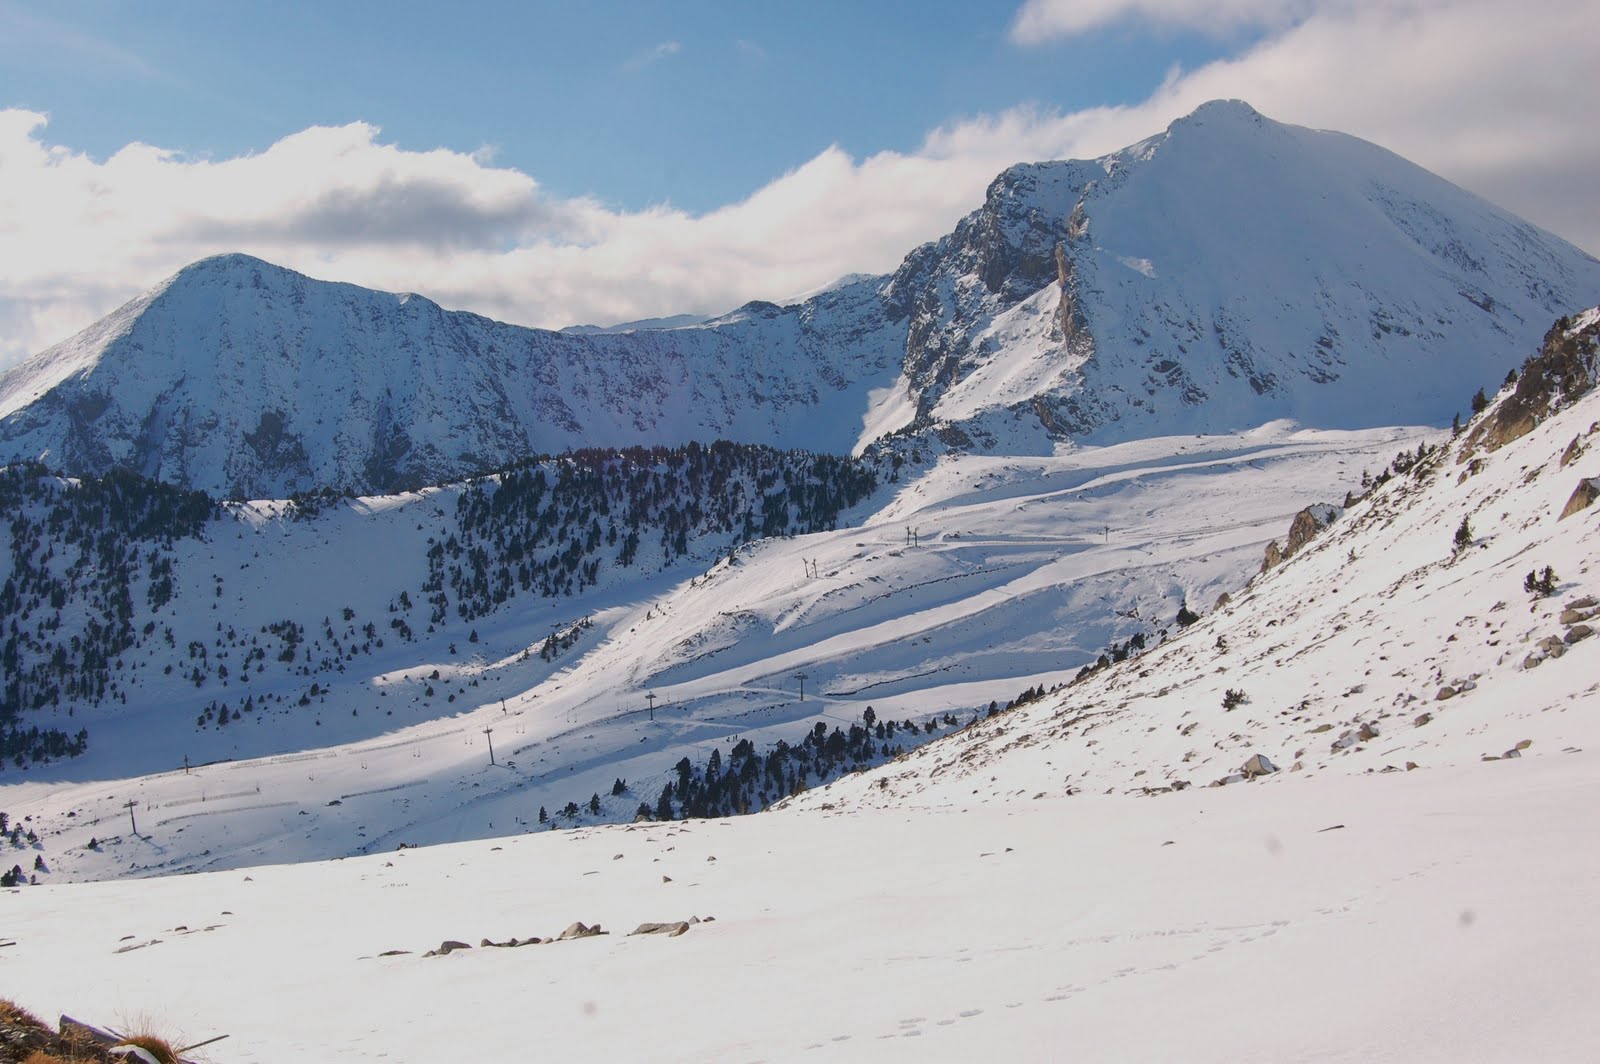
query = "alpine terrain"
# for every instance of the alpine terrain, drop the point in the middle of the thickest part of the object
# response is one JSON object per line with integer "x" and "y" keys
{"x": 1128, "y": 632}
{"x": 1224, "y": 273}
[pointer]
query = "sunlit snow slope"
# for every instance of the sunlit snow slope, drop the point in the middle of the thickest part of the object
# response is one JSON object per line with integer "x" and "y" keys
{"x": 1022, "y": 572}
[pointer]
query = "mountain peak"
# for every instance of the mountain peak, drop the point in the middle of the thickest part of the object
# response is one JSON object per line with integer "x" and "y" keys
{"x": 1225, "y": 110}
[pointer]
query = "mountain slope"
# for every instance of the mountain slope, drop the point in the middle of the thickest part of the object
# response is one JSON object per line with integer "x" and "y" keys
{"x": 248, "y": 380}
{"x": 1446, "y": 618}
{"x": 981, "y": 896}
{"x": 1227, "y": 272}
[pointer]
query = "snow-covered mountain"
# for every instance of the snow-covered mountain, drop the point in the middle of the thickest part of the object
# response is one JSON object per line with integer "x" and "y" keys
{"x": 1413, "y": 732}
{"x": 1444, "y": 618}
{"x": 249, "y": 380}
{"x": 1226, "y": 272}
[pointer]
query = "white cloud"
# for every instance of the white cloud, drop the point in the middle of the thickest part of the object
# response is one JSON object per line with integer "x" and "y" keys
{"x": 1044, "y": 20}
{"x": 1498, "y": 105}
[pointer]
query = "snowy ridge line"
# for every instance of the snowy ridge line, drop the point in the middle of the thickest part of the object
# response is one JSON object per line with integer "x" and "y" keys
{"x": 219, "y": 812}
{"x": 210, "y": 798}
{"x": 413, "y": 740}
{"x": 876, "y": 599}
{"x": 888, "y": 680}
{"x": 382, "y": 790}
{"x": 310, "y": 755}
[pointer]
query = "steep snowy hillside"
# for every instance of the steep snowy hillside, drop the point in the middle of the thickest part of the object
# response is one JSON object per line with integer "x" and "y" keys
{"x": 251, "y": 381}
{"x": 1227, "y": 272}
{"x": 1230, "y": 270}
{"x": 1444, "y": 619}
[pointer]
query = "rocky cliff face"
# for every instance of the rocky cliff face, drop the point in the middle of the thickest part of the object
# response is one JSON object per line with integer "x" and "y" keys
{"x": 1227, "y": 272}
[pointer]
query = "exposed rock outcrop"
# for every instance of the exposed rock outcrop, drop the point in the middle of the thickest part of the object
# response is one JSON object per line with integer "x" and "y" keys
{"x": 1305, "y": 527}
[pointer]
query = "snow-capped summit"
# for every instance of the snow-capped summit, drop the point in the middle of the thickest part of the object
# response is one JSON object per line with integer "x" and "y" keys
{"x": 1229, "y": 270}
{"x": 247, "y": 379}
{"x": 1226, "y": 272}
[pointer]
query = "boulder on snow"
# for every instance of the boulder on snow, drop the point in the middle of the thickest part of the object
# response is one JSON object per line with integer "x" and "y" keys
{"x": 447, "y": 947}
{"x": 1445, "y": 692}
{"x": 1583, "y": 496}
{"x": 671, "y": 930}
{"x": 1578, "y": 633}
{"x": 578, "y": 929}
{"x": 1302, "y": 530}
{"x": 1571, "y": 616}
{"x": 1258, "y": 765}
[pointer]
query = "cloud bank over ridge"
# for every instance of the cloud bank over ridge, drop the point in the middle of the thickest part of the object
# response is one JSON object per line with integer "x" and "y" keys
{"x": 1489, "y": 102}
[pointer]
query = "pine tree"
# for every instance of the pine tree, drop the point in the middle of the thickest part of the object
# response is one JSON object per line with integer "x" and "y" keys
{"x": 1464, "y": 537}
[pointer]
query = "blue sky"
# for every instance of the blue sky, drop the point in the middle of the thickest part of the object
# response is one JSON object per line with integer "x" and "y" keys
{"x": 694, "y": 104}
{"x": 551, "y": 164}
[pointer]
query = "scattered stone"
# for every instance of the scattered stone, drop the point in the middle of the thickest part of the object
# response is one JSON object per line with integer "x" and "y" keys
{"x": 1445, "y": 692}
{"x": 711, "y": 857}
{"x": 1573, "y": 451}
{"x": 1320, "y": 728}
{"x": 394, "y": 953}
{"x": 1524, "y": 744}
{"x": 671, "y": 930}
{"x": 578, "y": 929}
{"x": 1574, "y": 615}
{"x": 1368, "y": 732}
{"x": 1333, "y": 827}
{"x": 1411, "y": 766}
{"x": 616, "y": 857}
{"x": 1423, "y": 718}
{"x": 1587, "y": 602}
{"x": 666, "y": 879}
{"x": 447, "y": 947}
{"x": 1577, "y": 633}
{"x": 1513, "y": 752}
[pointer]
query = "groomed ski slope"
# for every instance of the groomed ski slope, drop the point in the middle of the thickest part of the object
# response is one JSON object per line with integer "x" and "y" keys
{"x": 1023, "y": 571}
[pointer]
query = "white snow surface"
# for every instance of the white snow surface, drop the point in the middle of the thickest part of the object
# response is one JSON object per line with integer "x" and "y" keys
{"x": 1405, "y": 887}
